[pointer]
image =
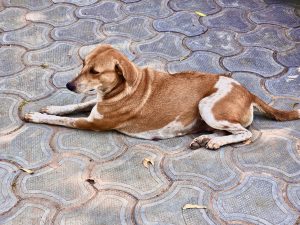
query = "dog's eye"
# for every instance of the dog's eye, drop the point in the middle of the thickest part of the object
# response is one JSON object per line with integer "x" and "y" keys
{"x": 93, "y": 71}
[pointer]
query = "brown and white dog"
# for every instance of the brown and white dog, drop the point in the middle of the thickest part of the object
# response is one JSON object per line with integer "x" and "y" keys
{"x": 149, "y": 104}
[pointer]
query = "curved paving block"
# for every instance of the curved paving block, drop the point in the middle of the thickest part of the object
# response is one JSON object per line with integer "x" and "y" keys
{"x": 256, "y": 60}
{"x": 276, "y": 14}
{"x": 209, "y": 166}
{"x": 168, "y": 46}
{"x": 60, "y": 55}
{"x": 197, "y": 61}
{"x": 167, "y": 208}
{"x": 120, "y": 43}
{"x": 205, "y": 6}
{"x": 57, "y": 15}
{"x": 33, "y": 5}
{"x": 9, "y": 113}
{"x": 249, "y": 5}
{"x": 89, "y": 32}
{"x": 183, "y": 22}
{"x": 12, "y": 18}
{"x": 107, "y": 11}
{"x": 137, "y": 28}
{"x": 28, "y": 146}
{"x": 153, "y": 62}
{"x": 253, "y": 84}
{"x": 76, "y": 2}
{"x": 294, "y": 33}
{"x": 7, "y": 198}
{"x": 215, "y": 40}
{"x": 10, "y": 60}
{"x": 286, "y": 85}
{"x": 229, "y": 18}
{"x": 97, "y": 145}
{"x": 127, "y": 173}
{"x": 257, "y": 201}
{"x": 32, "y": 83}
{"x": 267, "y": 36}
{"x": 108, "y": 207}
{"x": 290, "y": 58}
{"x": 33, "y": 36}
{"x": 62, "y": 182}
{"x": 293, "y": 193}
{"x": 60, "y": 79}
{"x": 154, "y": 8}
{"x": 272, "y": 154}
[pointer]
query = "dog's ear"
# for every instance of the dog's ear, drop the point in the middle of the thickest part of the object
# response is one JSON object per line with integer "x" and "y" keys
{"x": 127, "y": 70}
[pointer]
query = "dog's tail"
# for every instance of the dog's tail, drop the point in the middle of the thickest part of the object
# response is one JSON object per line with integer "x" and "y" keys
{"x": 275, "y": 114}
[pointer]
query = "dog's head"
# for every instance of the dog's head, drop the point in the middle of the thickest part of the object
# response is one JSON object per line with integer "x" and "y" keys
{"x": 103, "y": 70}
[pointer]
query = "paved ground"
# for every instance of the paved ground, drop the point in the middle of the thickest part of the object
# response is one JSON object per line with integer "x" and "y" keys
{"x": 98, "y": 178}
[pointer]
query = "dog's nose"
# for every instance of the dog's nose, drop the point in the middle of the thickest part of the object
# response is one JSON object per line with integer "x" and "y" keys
{"x": 71, "y": 86}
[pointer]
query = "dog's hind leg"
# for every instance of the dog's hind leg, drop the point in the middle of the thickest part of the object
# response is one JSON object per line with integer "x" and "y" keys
{"x": 202, "y": 140}
{"x": 68, "y": 109}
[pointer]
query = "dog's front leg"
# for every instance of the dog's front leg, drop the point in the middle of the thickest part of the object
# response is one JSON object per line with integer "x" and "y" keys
{"x": 67, "y": 109}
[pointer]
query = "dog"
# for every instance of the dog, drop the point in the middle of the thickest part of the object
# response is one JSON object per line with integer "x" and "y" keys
{"x": 148, "y": 104}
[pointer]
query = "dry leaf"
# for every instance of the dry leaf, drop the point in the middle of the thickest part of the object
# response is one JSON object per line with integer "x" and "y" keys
{"x": 200, "y": 13}
{"x": 147, "y": 161}
{"x": 27, "y": 170}
{"x": 248, "y": 142}
{"x": 191, "y": 206}
{"x": 295, "y": 104}
{"x": 183, "y": 58}
{"x": 44, "y": 65}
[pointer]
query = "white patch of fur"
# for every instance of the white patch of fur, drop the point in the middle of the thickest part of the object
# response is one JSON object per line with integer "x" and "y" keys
{"x": 37, "y": 117}
{"x": 95, "y": 115}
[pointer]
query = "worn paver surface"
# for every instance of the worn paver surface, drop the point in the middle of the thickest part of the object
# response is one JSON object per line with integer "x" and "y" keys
{"x": 88, "y": 178}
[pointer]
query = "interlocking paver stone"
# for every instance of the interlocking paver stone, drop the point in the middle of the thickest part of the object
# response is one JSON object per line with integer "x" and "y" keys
{"x": 60, "y": 79}
{"x": 12, "y": 18}
{"x": 269, "y": 36}
{"x": 257, "y": 201}
{"x": 215, "y": 40}
{"x": 205, "y": 6}
{"x": 154, "y": 8}
{"x": 30, "y": 4}
{"x": 293, "y": 193}
{"x": 89, "y": 32}
{"x": 290, "y": 58}
{"x": 294, "y": 33}
{"x": 256, "y": 60}
{"x": 182, "y": 22}
{"x": 28, "y": 146}
{"x": 107, "y": 11}
{"x": 198, "y": 61}
{"x": 32, "y": 83}
{"x": 157, "y": 63}
{"x": 137, "y": 28}
{"x": 60, "y": 55}
{"x": 229, "y": 18}
{"x": 76, "y": 2}
{"x": 57, "y": 15}
{"x": 250, "y": 4}
{"x": 10, "y": 60}
{"x": 276, "y": 14}
{"x": 7, "y": 198}
{"x": 286, "y": 85}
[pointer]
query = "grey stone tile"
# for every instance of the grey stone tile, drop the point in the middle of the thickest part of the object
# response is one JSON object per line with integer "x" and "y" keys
{"x": 286, "y": 85}
{"x": 59, "y": 55}
{"x": 32, "y": 83}
{"x": 57, "y": 15}
{"x": 183, "y": 22}
{"x": 254, "y": 84}
{"x": 256, "y": 200}
{"x": 276, "y": 14}
{"x": 166, "y": 45}
{"x": 7, "y": 173}
{"x": 197, "y": 61}
{"x": 290, "y": 58}
{"x": 256, "y": 60}
{"x": 107, "y": 11}
{"x": 268, "y": 36}
{"x": 215, "y": 40}
{"x": 89, "y": 32}
{"x": 251, "y": 5}
{"x": 76, "y": 2}
{"x": 294, "y": 33}
{"x": 127, "y": 173}
{"x": 30, "y": 4}
{"x": 229, "y": 18}
{"x": 151, "y": 61}
{"x": 205, "y": 6}
{"x": 62, "y": 182}
{"x": 9, "y": 113}
{"x": 293, "y": 193}
{"x": 12, "y": 18}
{"x": 11, "y": 60}
{"x": 28, "y": 146}
{"x": 130, "y": 1}
{"x": 33, "y": 36}
{"x": 137, "y": 28}
{"x": 154, "y": 8}
{"x": 60, "y": 79}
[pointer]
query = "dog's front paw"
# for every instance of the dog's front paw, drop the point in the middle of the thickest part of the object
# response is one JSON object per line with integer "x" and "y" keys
{"x": 34, "y": 117}
{"x": 51, "y": 110}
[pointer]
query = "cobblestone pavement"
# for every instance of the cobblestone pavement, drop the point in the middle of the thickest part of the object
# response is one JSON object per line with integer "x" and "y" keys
{"x": 88, "y": 178}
